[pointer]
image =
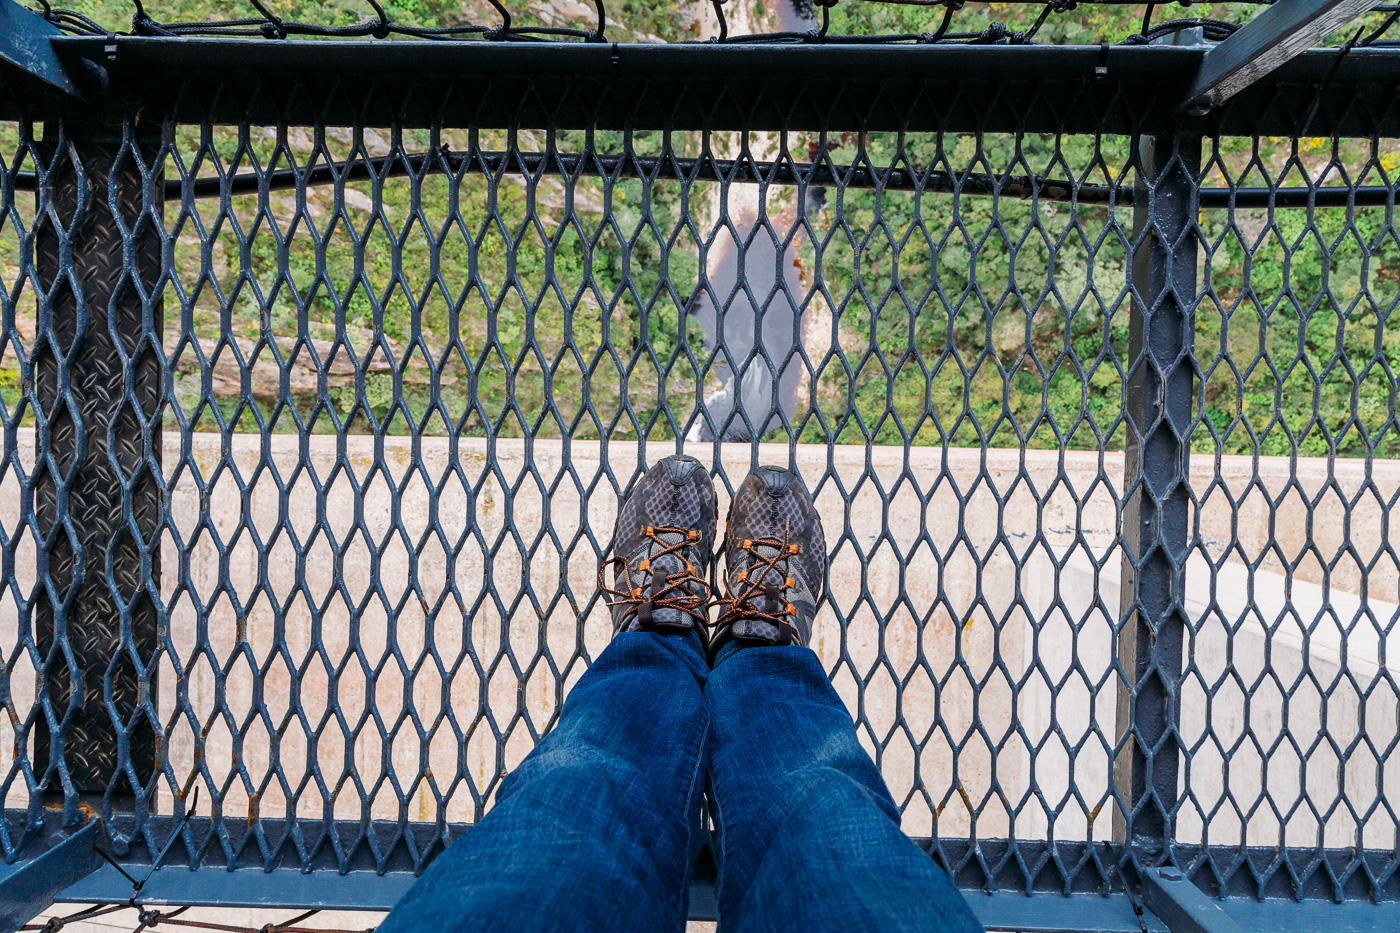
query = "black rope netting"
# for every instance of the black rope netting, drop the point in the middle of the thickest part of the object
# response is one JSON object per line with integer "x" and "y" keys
{"x": 150, "y": 919}
{"x": 815, "y": 14}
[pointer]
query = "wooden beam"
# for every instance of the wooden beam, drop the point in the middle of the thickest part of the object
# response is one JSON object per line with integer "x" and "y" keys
{"x": 1283, "y": 31}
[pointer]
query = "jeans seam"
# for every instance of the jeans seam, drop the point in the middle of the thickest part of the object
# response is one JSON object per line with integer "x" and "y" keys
{"x": 722, "y": 837}
{"x": 689, "y": 801}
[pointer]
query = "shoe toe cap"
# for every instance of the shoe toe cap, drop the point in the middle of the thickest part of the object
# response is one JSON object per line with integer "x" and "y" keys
{"x": 679, "y": 468}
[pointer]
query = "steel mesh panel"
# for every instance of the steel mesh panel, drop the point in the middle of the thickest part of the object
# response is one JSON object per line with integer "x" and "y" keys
{"x": 1287, "y": 677}
{"x": 404, "y": 376}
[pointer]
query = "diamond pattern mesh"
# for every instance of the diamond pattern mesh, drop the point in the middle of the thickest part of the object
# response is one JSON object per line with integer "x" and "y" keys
{"x": 314, "y": 435}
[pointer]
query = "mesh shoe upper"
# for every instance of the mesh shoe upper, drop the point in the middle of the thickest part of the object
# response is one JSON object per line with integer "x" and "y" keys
{"x": 776, "y": 561}
{"x": 664, "y": 536}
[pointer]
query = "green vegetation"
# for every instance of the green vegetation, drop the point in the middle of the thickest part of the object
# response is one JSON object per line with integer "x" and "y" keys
{"x": 480, "y": 304}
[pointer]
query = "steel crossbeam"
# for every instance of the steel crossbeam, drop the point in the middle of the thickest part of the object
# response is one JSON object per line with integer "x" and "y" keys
{"x": 1182, "y": 906}
{"x": 1281, "y": 32}
{"x": 25, "y": 47}
{"x": 30, "y": 884}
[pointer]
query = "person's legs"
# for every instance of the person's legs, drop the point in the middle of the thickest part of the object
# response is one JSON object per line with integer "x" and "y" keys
{"x": 808, "y": 835}
{"x": 597, "y": 827}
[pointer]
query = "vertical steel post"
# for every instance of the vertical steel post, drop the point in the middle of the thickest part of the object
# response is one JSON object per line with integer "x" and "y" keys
{"x": 97, "y": 498}
{"x": 1156, "y": 523}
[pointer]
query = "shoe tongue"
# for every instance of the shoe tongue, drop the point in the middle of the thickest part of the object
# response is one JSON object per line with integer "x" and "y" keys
{"x": 766, "y": 577}
{"x": 670, "y": 538}
{"x": 666, "y": 565}
{"x": 663, "y": 566}
{"x": 761, "y": 554}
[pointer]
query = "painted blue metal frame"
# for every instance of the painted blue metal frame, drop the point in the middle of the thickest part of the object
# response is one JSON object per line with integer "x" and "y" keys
{"x": 1040, "y": 913}
{"x": 291, "y": 888}
{"x": 961, "y": 87}
{"x": 24, "y": 44}
{"x": 1160, "y": 399}
{"x": 29, "y": 886}
{"x": 1184, "y": 907}
{"x": 1283, "y": 31}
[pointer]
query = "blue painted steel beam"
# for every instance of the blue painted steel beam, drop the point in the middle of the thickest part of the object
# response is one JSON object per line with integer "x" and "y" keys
{"x": 1276, "y": 915}
{"x": 290, "y": 888}
{"x": 1283, "y": 31}
{"x": 213, "y": 886}
{"x": 986, "y": 88}
{"x": 1156, "y": 517}
{"x": 1049, "y": 912}
{"x": 24, "y": 44}
{"x": 1182, "y": 906}
{"x": 1040, "y": 913}
{"x": 29, "y": 886}
{"x": 365, "y": 890}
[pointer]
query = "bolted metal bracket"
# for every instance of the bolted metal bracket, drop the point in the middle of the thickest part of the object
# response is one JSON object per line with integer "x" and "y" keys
{"x": 1182, "y": 906}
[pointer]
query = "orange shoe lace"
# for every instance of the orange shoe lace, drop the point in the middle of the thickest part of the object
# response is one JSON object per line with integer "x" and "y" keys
{"x": 668, "y": 591}
{"x": 755, "y": 585}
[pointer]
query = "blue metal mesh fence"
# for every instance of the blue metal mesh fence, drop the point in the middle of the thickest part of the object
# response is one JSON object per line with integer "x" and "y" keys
{"x": 315, "y": 429}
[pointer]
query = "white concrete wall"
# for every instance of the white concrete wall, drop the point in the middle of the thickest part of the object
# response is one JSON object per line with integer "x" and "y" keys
{"x": 952, "y": 684}
{"x": 1288, "y": 708}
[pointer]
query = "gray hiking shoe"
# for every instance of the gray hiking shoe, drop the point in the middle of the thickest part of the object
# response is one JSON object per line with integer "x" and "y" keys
{"x": 662, "y": 544}
{"x": 776, "y": 555}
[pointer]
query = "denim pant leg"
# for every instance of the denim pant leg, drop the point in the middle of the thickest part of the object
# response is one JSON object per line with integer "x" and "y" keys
{"x": 598, "y": 826}
{"x": 808, "y": 835}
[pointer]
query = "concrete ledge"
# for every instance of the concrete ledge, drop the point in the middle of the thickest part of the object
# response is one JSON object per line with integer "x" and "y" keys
{"x": 939, "y": 634}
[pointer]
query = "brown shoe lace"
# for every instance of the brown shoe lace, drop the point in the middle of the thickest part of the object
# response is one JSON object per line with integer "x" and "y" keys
{"x": 755, "y": 585}
{"x": 668, "y": 591}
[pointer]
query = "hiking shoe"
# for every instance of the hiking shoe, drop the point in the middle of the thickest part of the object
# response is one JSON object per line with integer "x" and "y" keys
{"x": 776, "y": 562}
{"x": 662, "y": 544}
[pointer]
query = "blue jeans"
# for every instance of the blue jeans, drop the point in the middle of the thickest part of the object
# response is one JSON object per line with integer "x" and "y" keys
{"x": 599, "y": 825}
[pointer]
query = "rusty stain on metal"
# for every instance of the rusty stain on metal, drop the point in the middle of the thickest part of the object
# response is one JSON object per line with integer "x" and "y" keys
{"x": 967, "y": 800}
